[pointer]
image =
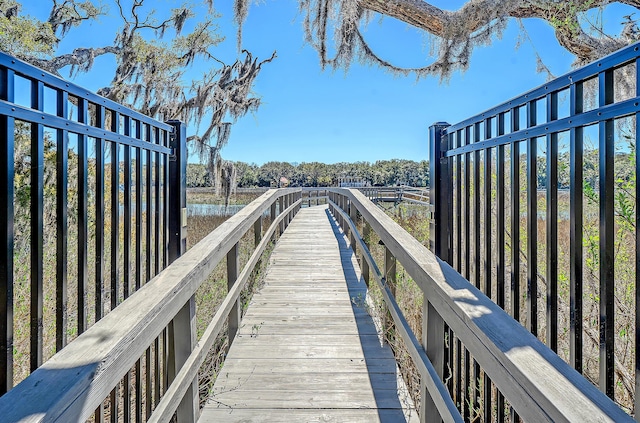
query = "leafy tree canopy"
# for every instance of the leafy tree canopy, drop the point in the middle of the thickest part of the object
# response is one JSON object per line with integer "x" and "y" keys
{"x": 150, "y": 73}
{"x": 335, "y": 28}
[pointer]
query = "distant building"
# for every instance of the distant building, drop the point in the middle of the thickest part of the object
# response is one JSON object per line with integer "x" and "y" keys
{"x": 353, "y": 182}
{"x": 282, "y": 182}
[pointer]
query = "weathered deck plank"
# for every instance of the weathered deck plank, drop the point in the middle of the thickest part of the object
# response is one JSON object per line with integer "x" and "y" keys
{"x": 306, "y": 351}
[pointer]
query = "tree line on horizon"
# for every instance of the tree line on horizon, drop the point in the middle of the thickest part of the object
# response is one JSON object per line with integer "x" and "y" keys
{"x": 270, "y": 174}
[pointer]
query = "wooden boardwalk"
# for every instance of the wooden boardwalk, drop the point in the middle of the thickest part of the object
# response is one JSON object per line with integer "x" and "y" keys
{"x": 307, "y": 349}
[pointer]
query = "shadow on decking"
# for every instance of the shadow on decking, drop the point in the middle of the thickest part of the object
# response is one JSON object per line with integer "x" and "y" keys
{"x": 379, "y": 358}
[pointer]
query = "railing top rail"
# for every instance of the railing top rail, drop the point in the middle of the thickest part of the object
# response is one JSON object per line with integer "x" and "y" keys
{"x": 441, "y": 398}
{"x": 614, "y": 60}
{"x": 536, "y": 381}
{"x": 31, "y": 72}
{"x": 76, "y": 380}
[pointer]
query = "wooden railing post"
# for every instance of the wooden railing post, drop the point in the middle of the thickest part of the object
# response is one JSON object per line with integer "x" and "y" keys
{"x": 366, "y": 233}
{"x": 433, "y": 343}
{"x": 257, "y": 231}
{"x": 281, "y": 206}
{"x": 341, "y": 201}
{"x": 390, "y": 278}
{"x": 290, "y": 214}
{"x": 182, "y": 329}
{"x": 353, "y": 215}
{"x": 285, "y": 205}
{"x": 233, "y": 266}
{"x": 273, "y": 215}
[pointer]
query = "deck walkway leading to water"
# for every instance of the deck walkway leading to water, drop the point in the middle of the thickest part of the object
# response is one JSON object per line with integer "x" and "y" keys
{"x": 307, "y": 349}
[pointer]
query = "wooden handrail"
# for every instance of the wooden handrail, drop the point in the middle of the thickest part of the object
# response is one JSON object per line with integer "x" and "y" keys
{"x": 442, "y": 399}
{"x": 537, "y": 383}
{"x": 176, "y": 391}
{"x": 75, "y": 381}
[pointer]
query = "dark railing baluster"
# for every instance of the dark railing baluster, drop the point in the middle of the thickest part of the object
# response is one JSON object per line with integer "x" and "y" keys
{"x": 157, "y": 232}
{"x": 488, "y": 250}
{"x": 576, "y": 208}
{"x": 532, "y": 223}
{"x": 149, "y": 205}
{"x": 477, "y": 218}
{"x": 148, "y": 379}
{"x": 115, "y": 242}
{"x": 607, "y": 237}
{"x": 126, "y": 228}
{"x": 466, "y": 393}
{"x": 62, "y": 174}
{"x": 156, "y": 371}
{"x": 500, "y": 241}
{"x": 165, "y": 202}
{"x": 488, "y": 235}
{"x": 115, "y": 216}
{"x": 488, "y": 264}
{"x": 83, "y": 218}
{"x": 500, "y": 217}
{"x": 636, "y": 402}
{"x": 7, "y": 132}
{"x": 99, "y": 260}
{"x": 458, "y": 199}
{"x": 37, "y": 206}
{"x": 139, "y": 258}
{"x": 515, "y": 218}
{"x": 138, "y": 202}
{"x": 552, "y": 226}
{"x": 459, "y": 398}
{"x": 467, "y": 207}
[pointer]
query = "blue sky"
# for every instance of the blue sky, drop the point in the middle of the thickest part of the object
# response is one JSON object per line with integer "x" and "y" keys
{"x": 365, "y": 114}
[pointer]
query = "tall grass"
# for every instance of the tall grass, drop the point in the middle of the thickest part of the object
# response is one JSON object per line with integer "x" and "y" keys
{"x": 214, "y": 289}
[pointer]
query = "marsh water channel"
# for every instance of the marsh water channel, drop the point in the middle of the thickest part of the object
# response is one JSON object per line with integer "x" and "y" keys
{"x": 213, "y": 209}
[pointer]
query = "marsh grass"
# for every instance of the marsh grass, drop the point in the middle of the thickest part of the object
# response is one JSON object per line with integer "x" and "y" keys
{"x": 208, "y": 297}
{"x": 214, "y": 289}
{"x": 409, "y": 296}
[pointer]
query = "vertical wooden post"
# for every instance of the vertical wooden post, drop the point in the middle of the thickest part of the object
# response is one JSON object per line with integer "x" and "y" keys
{"x": 257, "y": 231}
{"x": 281, "y": 205}
{"x": 182, "y": 340}
{"x": 285, "y": 205}
{"x": 353, "y": 214}
{"x": 290, "y": 214}
{"x": 366, "y": 233}
{"x": 341, "y": 202}
{"x": 273, "y": 218}
{"x": 233, "y": 264}
{"x": 257, "y": 237}
{"x": 182, "y": 329}
{"x": 433, "y": 343}
{"x": 390, "y": 278}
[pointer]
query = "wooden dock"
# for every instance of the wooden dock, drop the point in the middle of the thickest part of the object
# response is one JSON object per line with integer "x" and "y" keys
{"x": 307, "y": 349}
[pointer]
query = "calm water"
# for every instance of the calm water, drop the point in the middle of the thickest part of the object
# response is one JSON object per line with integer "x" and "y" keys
{"x": 213, "y": 209}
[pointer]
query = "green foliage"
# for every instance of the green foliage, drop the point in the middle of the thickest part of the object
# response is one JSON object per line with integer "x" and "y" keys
{"x": 382, "y": 172}
{"x": 565, "y": 17}
{"x": 23, "y": 36}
